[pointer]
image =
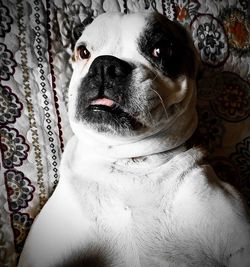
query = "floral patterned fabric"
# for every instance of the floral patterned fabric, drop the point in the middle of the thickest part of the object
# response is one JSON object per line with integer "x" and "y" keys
{"x": 35, "y": 47}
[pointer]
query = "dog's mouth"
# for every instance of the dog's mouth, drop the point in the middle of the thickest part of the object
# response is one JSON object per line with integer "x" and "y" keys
{"x": 106, "y": 111}
{"x": 103, "y": 104}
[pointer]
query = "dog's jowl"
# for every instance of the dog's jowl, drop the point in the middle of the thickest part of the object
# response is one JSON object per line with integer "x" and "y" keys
{"x": 130, "y": 193}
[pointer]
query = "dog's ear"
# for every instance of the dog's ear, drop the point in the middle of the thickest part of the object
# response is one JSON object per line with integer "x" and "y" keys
{"x": 77, "y": 32}
{"x": 78, "y": 29}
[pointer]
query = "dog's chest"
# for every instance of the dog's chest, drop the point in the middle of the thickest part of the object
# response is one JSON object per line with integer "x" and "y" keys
{"x": 127, "y": 204}
{"x": 122, "y": 202}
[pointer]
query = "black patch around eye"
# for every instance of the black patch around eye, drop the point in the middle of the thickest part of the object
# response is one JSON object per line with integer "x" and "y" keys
{"x": 170, "y": 59}
{"x": 176, "y": 56}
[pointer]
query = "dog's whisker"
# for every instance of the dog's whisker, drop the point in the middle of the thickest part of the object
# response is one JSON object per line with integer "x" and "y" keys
{"x": 158, "y": 95}
{"x": 162, "y": 102}
{"x": 156, "y": 75}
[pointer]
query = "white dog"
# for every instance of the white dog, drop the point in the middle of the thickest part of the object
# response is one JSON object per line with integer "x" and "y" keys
{"x": 130, "y": 193}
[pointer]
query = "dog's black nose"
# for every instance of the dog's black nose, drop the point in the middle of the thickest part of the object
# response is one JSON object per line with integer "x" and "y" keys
{"x": 109, "y": 68}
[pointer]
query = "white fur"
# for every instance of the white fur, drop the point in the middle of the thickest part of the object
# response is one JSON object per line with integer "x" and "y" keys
{"x": 143, "y": 199}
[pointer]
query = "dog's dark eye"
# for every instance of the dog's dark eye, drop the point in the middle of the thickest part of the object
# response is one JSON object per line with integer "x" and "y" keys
{"x": 162, "y": 50}
{"x": 156, "y": 52}
{"x": 83, "y": 52}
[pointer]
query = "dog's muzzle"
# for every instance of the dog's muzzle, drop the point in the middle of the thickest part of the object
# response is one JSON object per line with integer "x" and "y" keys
{"x": 103, "y": 98}
{"x": 107, "y": 74}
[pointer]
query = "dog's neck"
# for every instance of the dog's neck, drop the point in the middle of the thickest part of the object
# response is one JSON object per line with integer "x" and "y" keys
{"x": 161, "y": 141}
{"x": 168, "y": 135}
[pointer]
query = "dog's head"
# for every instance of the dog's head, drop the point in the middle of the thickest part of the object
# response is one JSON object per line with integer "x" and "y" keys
{"x": 134, "y": 75}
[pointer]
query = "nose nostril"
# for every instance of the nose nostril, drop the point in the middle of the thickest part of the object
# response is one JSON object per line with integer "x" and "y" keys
{"x": 110, "y": 67}
{"x": 112, "y": 71}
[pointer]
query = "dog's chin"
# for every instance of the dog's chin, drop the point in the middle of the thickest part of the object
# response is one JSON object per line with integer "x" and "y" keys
{"x": 111, "y": 120}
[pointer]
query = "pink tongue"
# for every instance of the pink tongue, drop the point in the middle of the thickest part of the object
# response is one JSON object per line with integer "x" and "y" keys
{"x": 103, "y": 102}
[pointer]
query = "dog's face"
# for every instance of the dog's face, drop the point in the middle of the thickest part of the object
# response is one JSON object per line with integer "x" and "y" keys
{"x": 133, "y": 74}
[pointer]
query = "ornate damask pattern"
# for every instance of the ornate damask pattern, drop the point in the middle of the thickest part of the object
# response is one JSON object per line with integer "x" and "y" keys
{"x": 210, "y": 39}
{"x": 19, "y": 189}
{"x": 28, "y": 96}
{"x": 10, "y": 106}
{"x": 21, "y": 223}
{"x": 210, "y": 130}
{"x": 233, "y": 101}
{"x": 236, "y": 24}
{"x": 185, "y": 10}
{"x": 228, "y": 95}
{"x": 241, "y": 160}
{"x": 7, "y": 63}
{"x": 5, "y": 21}
{"x": 10, "y": 110}
{"x": 43, "y": 84}
{"x": 13, "y": 147}
{"x": 35, "y": 46}
{"x": 31, "y": 138}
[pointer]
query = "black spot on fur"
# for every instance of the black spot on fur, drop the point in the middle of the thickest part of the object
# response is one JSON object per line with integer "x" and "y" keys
{"x": 177, "y": 55}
